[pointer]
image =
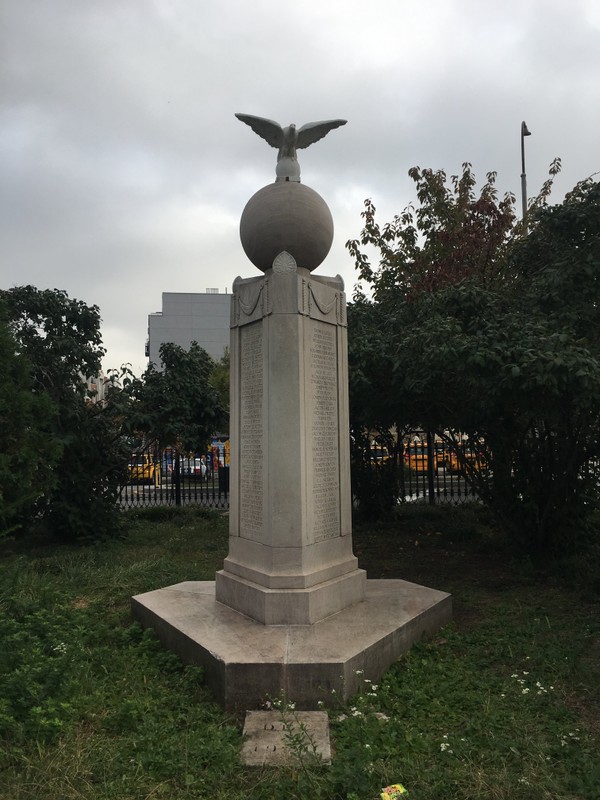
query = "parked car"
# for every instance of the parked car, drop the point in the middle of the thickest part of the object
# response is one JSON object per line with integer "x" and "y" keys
{"x": 416, "y": 458}
{"x": 142, "y": 469}
{"x": 380, "y": 454}
{"x": 193, "y": 468}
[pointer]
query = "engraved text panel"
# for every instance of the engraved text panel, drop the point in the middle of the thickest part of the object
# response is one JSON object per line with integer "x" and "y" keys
{"x": 325, "y": 457}
{"x": 251, "y": 431}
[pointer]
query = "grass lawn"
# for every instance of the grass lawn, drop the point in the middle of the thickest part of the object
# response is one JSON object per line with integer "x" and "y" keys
{"x": 502, "y": 704}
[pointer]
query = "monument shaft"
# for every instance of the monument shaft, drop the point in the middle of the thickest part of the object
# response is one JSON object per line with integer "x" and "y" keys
{"x": 290, "y": 551}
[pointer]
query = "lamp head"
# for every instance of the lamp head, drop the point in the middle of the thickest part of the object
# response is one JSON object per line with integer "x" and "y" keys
{"x": 525, "y": 130}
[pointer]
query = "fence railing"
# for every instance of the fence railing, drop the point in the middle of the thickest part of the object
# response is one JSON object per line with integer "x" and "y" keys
{"x": 429, "y": 470}
{"x": 159, "y": 478}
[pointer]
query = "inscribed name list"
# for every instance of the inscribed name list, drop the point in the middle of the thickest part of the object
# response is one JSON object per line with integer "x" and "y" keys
{"x": 325, "y": 495}
{"x": 251, "y": 431}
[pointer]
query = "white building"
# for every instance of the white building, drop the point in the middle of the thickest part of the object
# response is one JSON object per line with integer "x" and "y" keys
{"x": 97, "y": 386}
{"x": 188, "y": 317}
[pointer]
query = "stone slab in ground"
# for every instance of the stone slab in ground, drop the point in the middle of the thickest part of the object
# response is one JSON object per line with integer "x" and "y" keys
{"x": 247, "y": 663}
{"x": 265, "y": 741}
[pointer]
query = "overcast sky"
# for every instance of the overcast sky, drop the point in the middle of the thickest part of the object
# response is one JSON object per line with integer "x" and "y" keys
{"x": 123, "y": 171}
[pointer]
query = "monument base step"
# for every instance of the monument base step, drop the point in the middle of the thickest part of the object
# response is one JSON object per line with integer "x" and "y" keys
{"x": 290, "y": 606}
{"x": 247, "y": 663}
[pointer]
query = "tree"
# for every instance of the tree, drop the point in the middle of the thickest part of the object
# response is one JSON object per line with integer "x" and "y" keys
{"x": 493, "y": 332}
{"x": 453, "y": 234}
{"x": 178, "y": 406}
{"x": 59, "y": 338}
{"x": 219, "y": 378}
{"x": 28, "y": 452}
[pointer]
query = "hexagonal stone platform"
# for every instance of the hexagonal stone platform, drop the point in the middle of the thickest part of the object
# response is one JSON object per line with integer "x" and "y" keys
{"x": 247, "y": 663}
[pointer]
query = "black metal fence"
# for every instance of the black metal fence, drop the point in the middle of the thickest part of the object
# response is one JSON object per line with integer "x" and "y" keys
{"x": 435, "y": 472}
{"x": 431, "y": 469}
{"x": 159, "y": 478}
{"x": 428, "y": 469}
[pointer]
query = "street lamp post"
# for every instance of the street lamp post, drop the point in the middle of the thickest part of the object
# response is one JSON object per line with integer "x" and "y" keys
{"x": 524, "y": 132}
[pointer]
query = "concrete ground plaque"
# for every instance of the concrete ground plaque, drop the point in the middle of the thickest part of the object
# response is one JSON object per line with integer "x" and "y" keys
{"x": 266, "y": 740}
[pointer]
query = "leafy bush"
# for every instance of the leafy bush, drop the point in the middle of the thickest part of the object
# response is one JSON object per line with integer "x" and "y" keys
{"x": 375, "y": 488}
{"x": 481, "y": 325}
{"x": 172, "y": 513}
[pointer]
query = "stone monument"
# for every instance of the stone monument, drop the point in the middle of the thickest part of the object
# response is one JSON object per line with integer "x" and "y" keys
{"x": 290, "y": 611}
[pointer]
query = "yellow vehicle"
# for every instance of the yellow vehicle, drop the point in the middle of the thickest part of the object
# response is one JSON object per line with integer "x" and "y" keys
{"x": 416, "y": 458}
{"x": 467, "y": 459}
{"x": 142, "y": 469}
{"x": 379, "y": 454}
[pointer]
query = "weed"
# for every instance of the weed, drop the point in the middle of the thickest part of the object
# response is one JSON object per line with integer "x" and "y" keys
{"x": 307, "y": 765}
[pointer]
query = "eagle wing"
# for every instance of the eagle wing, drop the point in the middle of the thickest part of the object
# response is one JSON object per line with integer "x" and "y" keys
{"x": 313, "y": 131}
{"x": 268, "y": 129}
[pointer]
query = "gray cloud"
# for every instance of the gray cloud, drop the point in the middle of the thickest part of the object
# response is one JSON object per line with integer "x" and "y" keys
{"x": 124, "y": 171}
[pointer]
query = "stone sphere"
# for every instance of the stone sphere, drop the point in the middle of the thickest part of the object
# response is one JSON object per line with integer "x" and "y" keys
{"x": 286, "y": 216}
